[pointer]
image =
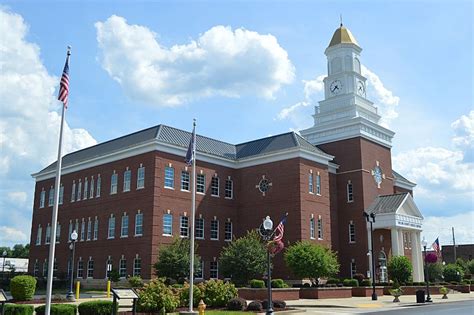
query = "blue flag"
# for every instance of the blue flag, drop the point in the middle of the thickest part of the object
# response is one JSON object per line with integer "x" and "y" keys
{"x": 190, "y": 155}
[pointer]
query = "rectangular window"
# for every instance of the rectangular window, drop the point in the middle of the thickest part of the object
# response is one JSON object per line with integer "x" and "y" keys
{"x": 83, "y": 229}
{"x": 70, "y": 230}
{"x": 99, "y": 182}
{"x": 353, "y": 268}
{"x": 184, "y": 226}
{"x": 350, "y": 193}
{"x": 42, "y": 198}
{"x": 198, "y": 274}
{"x": 141, "y": 177}
{"x": 127, "y": 177}
{"x": 137, "y": 266}
{"x": 320, "y": 228}
{"x": 111, "y": 230}
{"x": 124, "y": 229}
{"x": 91, "y": 191}
{"x": 89, "y": 229}
{"x": 79, "y": 190}
{"x": 228, "y": 231}
{"x": 45, "y": 268}
{"x": 229, "y": 189}
{"x": 214, "y": 230}
{"x": 76, "y": 227}
{"x": 61, "y": 195}
{"x": 58, "y": 232}
{"x": 80, "y": 269}
{"x": 90, "y": 269}
{"x": 311, "y": 228}
{"x": 200, "y": 183}
{"x": 200, "y": 228}
{"x": 36, "y": 269}
{"x": 318, "y": 184}
{"x": 169, "y": 177}
{"x": 108, "y": 268}
{"x": 86, "y": 188}
{"x": 214, "y": 270}
{"x": 73, "y": 191}
{"x": 123, "y": 268}
{"x": 167, "y": 224}
{"x": 51, "y": 197}
{"x": 215, "y": 186}
{"x": 139, "y": 224}
{"x": 113, "y": 183}
{"x": 96, "y": 228}
{"x": 352, "y": 237}
{"x": 55, "y": 268}
{"x": 185, "y": 180}
{"x": 310, "y": 183}
{"x": 47, "y": 239}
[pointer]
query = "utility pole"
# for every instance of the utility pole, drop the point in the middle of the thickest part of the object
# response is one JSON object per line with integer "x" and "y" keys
{"x": 454, "y": 245}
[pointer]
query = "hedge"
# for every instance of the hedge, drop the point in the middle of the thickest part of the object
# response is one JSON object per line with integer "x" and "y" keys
{"x": 255, "y": 283}
{"x": 96, "y": 308}
{"x": 279, "y": 283}
{"x": 18, "y": 309}
{"x": 350, "y": 283}
{"x": 23, "y": 287}
{"x": 58, "y": 309}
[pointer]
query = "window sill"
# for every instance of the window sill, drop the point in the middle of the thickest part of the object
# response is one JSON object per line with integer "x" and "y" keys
{"x": 200, "y": 193}
{"x": 138, "y": 235}
{"x": 350, "y": 201}
{"x": 139, "y": 188}
{"x": 320, "y": 239}
{"x": 311, "y": 193}
{"x": 168, "y": 235}
{"x": 227, "y": 240}
{"x": 228, "y": 198}
{"x": 124, "y": 236}
{"x": 214, "y": 239}
{"x": 126, "y": 190}
{"x": 352, "y": 242}
{"x": 170, "y": 188}
{"x": 185, "y": 190}
{"x": 217, "y": 196}
{"x": 184, "y": 236}
{"x": 113, "y": 193}
{"x": 318, "y": 195}
{"x": 200, "y": 238}
{"x": 312, "y": 238}
{"x": 111, "y": 238}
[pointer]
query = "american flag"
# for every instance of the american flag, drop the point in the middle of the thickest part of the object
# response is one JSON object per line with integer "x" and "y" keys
{"x": 192, "y": 147}
{"x": 64, "y": 84}
{"x": 436, "y": 246}
{"x": 280, "y": 229}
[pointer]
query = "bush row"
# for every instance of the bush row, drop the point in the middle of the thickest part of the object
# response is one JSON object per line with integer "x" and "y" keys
{"x": 86, "y": 308}
{"x": 239, "y": 304}
{"x": 276, "y": 283}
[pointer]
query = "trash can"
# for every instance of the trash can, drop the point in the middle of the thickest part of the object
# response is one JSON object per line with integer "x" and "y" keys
{"x": 420, "y": 296}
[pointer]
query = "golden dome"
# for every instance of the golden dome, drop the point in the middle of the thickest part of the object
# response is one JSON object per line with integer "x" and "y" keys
{"x": 342, "y": 36}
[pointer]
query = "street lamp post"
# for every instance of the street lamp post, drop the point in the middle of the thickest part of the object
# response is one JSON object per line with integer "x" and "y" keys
{"x": 371, "y": 219}
{"x": 72, "y": 247}
{"x": 267, "y": 234}
{"x": 4, "y": 255}
{"x": 424, "y": 243}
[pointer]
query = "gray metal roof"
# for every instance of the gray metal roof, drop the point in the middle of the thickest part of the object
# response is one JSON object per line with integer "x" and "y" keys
{"x": 399, "y": 177}
{"x": 386, "y": 203}
{"x": 177, "y": 137}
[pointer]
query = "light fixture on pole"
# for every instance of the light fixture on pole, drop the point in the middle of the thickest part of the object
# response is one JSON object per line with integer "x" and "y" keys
{"x": 72, "y": 247}
{"x": 266, "y": 230}
{"x": 424, "y": 243}
{"x": 4, "y": 255}
{"x": 371, "y": 219}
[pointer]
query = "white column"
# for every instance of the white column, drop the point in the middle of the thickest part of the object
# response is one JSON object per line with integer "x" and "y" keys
{"x": 369, "y": 244}
{"x": 401, "y": 244}
{"x": 395, "y": 246}
{"x": 416, "y": 257}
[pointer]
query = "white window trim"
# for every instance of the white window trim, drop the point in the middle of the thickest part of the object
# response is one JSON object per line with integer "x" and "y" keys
{"x": 181, "y": 226}
{"x": 109, "y": 229}
{"x": 122, "y": 226}
{"x": 231, "y": 231}
{"x": 138, "y": 177}
{"x": 164, "y": 184}
{"x": 218, "y": 184}
{"x": 350, "y": 240}
{"x": 231, "y": 190}
{"x": 347, "y": 192}
{"x": 312, "y": 230}
{"x": 210, "y": 234}
{"x": 163, "y": 227}
{"x": 198, "y": 192}
{"x": 217, "y": 269}
{"x": 125, "y": 181}
{"x": 320, "y": 228}
{"x": 203, "y": 229}
{"x": 136, "y": 216}
{"x": 181, "y": 182}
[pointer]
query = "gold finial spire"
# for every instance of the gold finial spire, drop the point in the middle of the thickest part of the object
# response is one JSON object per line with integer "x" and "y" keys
{"x": 341, "y": 18}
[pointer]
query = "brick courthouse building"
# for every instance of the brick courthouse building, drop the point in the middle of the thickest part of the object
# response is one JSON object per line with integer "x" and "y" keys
{"x": 129, "y": 196}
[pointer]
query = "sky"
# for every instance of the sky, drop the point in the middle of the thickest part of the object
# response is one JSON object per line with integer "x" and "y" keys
{"x": 244, "y": 70}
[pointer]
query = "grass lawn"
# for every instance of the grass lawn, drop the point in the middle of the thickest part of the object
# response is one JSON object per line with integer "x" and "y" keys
{"x": 217, "y": 312}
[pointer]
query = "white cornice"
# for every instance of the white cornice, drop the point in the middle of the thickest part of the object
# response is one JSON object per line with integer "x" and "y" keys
{"x": 403, "y": 184}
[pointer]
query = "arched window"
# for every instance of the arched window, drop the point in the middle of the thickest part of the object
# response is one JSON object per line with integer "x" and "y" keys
{"x": 336, "y": 65}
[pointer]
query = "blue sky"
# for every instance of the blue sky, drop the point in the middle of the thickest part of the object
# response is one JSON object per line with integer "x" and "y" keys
{"x": 244, "y": 70}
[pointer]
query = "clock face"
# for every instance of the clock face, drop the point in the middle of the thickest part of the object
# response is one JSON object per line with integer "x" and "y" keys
{"x": 264, "y": 185}
{"x": 378, "y": 175}
{"x": 360, "y": 88}
{"x": 335, "y": 87}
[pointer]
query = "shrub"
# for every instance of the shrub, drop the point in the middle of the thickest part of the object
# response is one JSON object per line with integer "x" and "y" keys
{"x": 184, "y": 295}
{"x": 156, "y": 296}
{"x": 431, "y": 258}
{"x": 435, "y": 271}
{"x": 236, "y": 304}
{"x": 465, "y": 282}
{"x": 96, "y": 308}
{"x": 114, "y": 276}
{"x": 276, "y": 304}
{"x": 359, "y": 277}
{"x": 333, "y": 281}
{"x": 366, "y": 283}
{"x": 255, "y": 306}
{"x": 470, "y": 266}
{"x": 216, "y": 293}
{"x": 255, "y": 283}
{"x": 453, "y": 272}
{"x": 135, "y": 281}
{"x": 399, "y": 269}
{"x": 279, "y": 283}
{"x": 19, "y": 309}
{"x": 350, "y": 283}
{"x": 443, "y": 290}
{"x": 454, "y": 282}
{"x": 23, "y": 287}
{"x": 58, "y": 309}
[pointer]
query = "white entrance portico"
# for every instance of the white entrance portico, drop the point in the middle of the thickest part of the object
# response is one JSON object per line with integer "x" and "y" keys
{"x": 399, "y": 214}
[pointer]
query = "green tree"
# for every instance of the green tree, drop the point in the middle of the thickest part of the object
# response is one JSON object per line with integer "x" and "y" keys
{"x": 399, "y": 269}
{"x": 173, "y": 260}
{"x": 453, "y": 272}
{"x": 435, "y": 271}
{"x": 308, "y": 260}
{"x": 244, "y": 259}
{"x": 7, "y": 250}
{"x": 21, "y": 251}
{"x": 470, "y": 266}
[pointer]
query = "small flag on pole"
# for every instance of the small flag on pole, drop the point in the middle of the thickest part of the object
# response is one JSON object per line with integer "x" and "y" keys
{"x": 192, "y": 147}
{"x": 280, "y": 229}
{"x": 436, "y": 246}
{"x": 64, "y": 84}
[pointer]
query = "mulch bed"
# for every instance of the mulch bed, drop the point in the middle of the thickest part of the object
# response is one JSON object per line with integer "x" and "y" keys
{"x": 39, "y": 301}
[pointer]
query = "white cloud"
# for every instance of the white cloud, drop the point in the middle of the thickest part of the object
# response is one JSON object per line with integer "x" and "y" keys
{"x": 285, "y": 112}
{"x": 312, "y": 87}
{"x": 12, "y": 235}
{"x": 440, "y": 226}
{"x": 464, "y": 135}
{"x": 221, "y": 61}
{"x": 29, "y": 124}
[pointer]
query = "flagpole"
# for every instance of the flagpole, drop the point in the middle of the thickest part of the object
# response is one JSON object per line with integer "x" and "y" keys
{"x": 193, "y": 214}
{"x": 54, "y": 217}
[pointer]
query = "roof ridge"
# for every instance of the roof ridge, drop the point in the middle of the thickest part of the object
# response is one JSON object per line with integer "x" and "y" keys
{"x": 198, "y": 135}
{"x": 268, "y": 137}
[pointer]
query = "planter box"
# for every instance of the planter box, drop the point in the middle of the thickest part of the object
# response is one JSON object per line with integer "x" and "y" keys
{"x": 325, "y": 293}
{"x": 434, "y": 289}
{"x": 366, "y": 291}
{"x": 284, "y": 294}
{"x": 463, "y": 288}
